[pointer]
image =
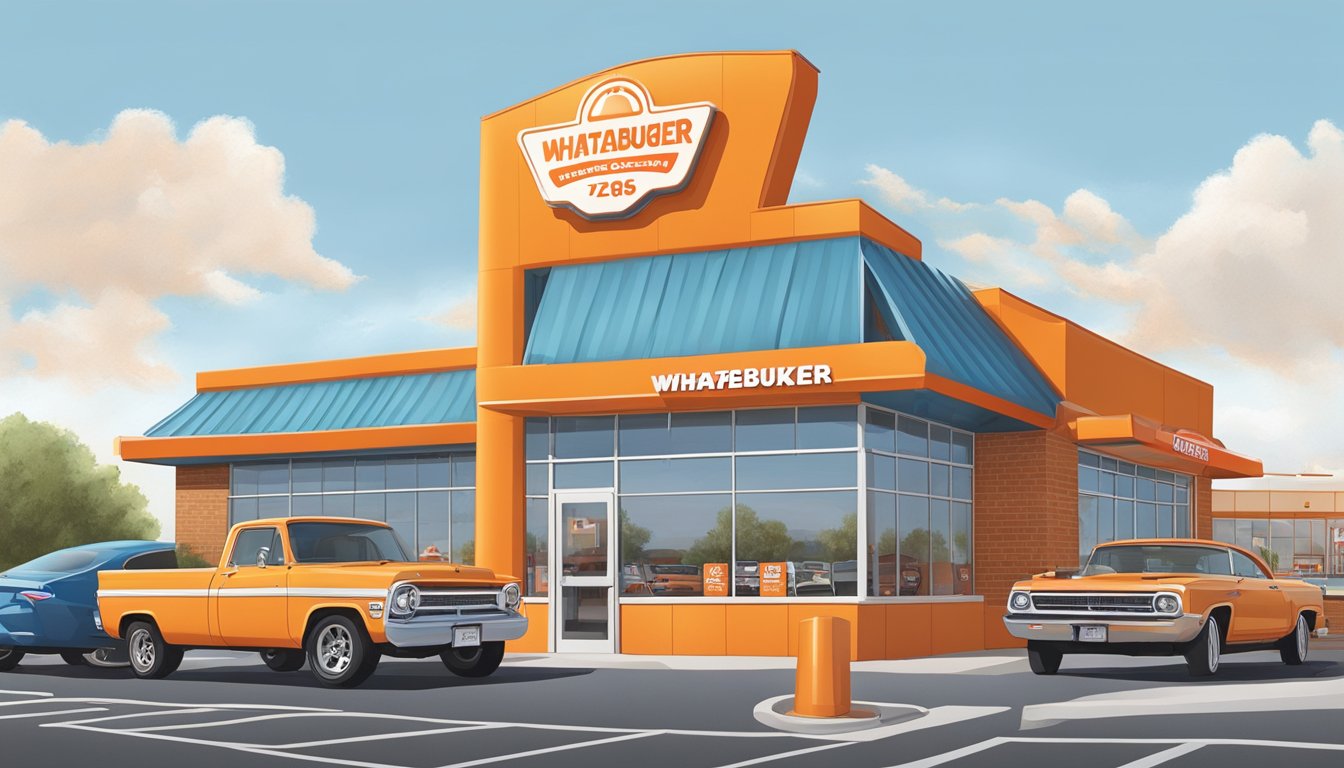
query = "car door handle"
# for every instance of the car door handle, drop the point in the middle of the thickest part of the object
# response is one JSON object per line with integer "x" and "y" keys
{"x": 1273, "y": 586}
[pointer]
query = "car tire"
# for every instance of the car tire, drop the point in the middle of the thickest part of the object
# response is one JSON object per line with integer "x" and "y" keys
{"x": 9, "y": 658}
{"x": 1204, "y": 653}
{"x": 151, "y": 657}
{"x": 1043, "y": 658}
{"x": 481, "y": 661}
{"x": 1293, "y": 648}
{"x": 340, "y": 654}
{"x": 284, "y": 659}
{"x": 74, "y": 658}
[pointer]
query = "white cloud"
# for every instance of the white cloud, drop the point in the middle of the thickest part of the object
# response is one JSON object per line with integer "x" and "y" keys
{"x": 110, "y": 226}
{"x": 460, "y": 315}
{"x": 901, "y": 195}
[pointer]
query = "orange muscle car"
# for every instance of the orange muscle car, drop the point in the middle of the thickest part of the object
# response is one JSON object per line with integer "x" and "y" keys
{"x": 1164, "y": 597}
{"x": 338, "y": 593}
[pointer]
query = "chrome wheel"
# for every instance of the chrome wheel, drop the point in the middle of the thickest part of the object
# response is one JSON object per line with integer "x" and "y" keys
{"x": 142, "y": 650}
{"x": 1215, "y": 646}
{"x": 1302, "y": 634}
{"x": 334, "y": 648}
{"x": 4, "y": 652}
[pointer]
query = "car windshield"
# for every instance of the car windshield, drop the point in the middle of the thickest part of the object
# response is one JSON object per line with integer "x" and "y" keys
{"x": 344, "y": 543}
{"x": 1158, "y": 558}
{"x": 56, "y": 563}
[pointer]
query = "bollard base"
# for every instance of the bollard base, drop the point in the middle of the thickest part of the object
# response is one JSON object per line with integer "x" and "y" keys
{"x": 778, "y": 713}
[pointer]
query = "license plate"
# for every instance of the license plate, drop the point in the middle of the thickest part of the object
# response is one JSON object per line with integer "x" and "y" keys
{"x": 1092, "y": 634}
{"x": 466, "y": 637}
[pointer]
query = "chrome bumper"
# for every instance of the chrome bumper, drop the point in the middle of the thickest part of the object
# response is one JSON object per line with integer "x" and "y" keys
{"x": 438, "y": 630}
{"x": 1181, "y": 629}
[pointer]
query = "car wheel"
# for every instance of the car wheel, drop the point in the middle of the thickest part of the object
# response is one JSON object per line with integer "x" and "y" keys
{"x": 74, "y": 658}
{"x": 151, "y": 657}
{"x": 1205, "y": 651}
{"x": 1293, "y": 648}
{"x": 340, "y": 655}
{"x": 9, "y": 658}
{"x": 480, "y": 661}
{"x": 283, "y": 659}
{"x": 1043, "y": 657}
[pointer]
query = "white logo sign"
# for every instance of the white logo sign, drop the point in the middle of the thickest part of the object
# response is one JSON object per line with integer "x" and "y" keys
{"x": 743, "y": 378}
{"x": 1187, "y": 448}
{"x": 620, "y": 151}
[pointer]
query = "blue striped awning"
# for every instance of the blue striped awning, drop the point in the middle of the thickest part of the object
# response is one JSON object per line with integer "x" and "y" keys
{"x": 447, "y": 397}
{"x": 960, "y": 340}
{"x": 800, "y": 294}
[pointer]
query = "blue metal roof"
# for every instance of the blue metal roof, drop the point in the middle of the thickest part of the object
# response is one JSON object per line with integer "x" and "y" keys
{"x": 800, "y": 294}
{"x": 447, "y": 397}
{"x": 960, "y": 340}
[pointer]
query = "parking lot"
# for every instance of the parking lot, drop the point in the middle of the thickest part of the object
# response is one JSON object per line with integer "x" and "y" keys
{"x": 226, "y": 709}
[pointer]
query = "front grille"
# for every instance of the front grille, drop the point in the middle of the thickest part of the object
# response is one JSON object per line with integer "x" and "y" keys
{"x": 463, "y": 600}
{"x": 1093, "y": 603}
{"x": 453, "y": 601}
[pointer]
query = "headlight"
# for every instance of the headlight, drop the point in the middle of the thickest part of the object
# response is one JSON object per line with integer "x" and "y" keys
{"x": 1020, "y": 601}
{"x": 512, "y": 596}
{"x": 405, "y": 600}
{"x": 1167, "y": 604}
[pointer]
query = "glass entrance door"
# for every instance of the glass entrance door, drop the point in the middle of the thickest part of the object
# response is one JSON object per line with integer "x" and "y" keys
{"x": 585, "y": 599}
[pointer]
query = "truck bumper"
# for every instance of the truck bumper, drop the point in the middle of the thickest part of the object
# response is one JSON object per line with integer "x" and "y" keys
{"x": 1181, "y": 629}
{"x": 438, "y": 630}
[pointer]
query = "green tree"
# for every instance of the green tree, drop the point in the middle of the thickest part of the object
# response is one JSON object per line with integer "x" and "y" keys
{"x": 53, "y": 494}
{"x": 838, "y": 544}
{"x": 917, "y": 543}
{"x": 633, "y": 540}
{"x": 762, "y": 540}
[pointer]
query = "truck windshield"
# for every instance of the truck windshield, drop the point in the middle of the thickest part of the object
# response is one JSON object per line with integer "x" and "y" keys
{"x": 344, "y": 543}
{"x": 1158, "y": 558}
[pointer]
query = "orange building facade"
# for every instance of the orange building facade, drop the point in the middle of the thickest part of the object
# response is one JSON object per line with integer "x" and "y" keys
{"x": 698, "y": 414}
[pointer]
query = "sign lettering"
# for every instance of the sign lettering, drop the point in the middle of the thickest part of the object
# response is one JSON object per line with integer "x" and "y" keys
{"x": 1187, "y": 448}
{"x": 743, "y": 378}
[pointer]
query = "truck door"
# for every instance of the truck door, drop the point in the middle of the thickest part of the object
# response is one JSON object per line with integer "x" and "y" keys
{"x": 249, "y": 591}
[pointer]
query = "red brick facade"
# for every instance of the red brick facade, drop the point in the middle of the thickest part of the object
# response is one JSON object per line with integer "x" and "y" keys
{"x": 203, "y": 509}
{"x": 1334, "y": 611}
{"x": 1203, "y": 508}
{"x": 1026, "y": 515}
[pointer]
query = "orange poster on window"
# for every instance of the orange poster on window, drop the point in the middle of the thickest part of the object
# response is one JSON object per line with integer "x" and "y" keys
{"x": 716, "y": 579}
{"x": 774, "y": 579}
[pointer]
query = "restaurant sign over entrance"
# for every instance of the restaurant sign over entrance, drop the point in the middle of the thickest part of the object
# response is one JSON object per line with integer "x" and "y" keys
{"x": 620, "y": 151}
{"x": 743, "y": 378}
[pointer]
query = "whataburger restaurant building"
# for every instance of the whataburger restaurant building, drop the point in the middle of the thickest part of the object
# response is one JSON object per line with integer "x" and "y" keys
{"x": 697, "y": 414}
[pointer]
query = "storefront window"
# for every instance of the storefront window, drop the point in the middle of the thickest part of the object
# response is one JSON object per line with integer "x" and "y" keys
{"x": 1120, "y": 500}
{"x": 1306, "y": 547}
{"x": 428, "y": 499}
{"x": 536, "y": 550}
{"x": 666, "y": 541}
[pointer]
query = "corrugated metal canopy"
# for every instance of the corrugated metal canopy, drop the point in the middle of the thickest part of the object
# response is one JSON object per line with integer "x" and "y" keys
{"x": 763, "y": 297}
{"x": 446, "y": 397}
{"x": 960, "y": 340}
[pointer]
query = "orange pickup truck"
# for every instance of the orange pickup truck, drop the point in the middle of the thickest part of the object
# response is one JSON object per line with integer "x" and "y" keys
{"x": 337, "y": 593}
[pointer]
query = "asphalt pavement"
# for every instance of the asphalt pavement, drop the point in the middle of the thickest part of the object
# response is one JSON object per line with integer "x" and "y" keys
{"x": 227, "y": 709}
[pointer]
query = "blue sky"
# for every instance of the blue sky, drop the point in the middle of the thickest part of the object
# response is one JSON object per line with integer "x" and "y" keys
{"x": 375, "y": 108}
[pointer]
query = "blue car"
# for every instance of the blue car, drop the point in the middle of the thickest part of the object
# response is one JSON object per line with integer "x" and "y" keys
{"x": 50, "y": 605}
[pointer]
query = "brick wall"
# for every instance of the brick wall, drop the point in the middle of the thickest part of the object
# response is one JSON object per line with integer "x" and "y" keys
{"x": 1026, "y": 515}
{"x": 1334, "y": 611}
{"x": 1203, "y": 508}
{"x": 203, "y": 509}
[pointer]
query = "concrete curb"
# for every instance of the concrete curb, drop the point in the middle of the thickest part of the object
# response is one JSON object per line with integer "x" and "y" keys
{"x": 774, "y": 712}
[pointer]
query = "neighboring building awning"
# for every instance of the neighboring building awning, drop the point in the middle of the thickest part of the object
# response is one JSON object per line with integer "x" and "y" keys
{"x": 367, "y": 413}
{"x": 1140, "y": 440}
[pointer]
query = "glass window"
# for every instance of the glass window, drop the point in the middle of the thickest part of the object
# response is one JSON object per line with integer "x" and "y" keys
{"x": 1124, "y": 519}
{"x": 538, "y": 479}
{"x": 338, "y": 475}
{"x": 798, "y": 470}
{"x": 1124, "y": 486}
{"x": 1164, "y": 521}
{"x": 827, "y": 427}
{"x": 1243, "y": 535}
{"x": 883, "y": 573}
{"x": 305, "y": 506}
{"x": 879, "y": 431}
{"x": 433, "y": 472}
{"x": 338, "y": 542}
{"x": 963, "y": 448}
{"x": 1105, "y": 519}
{"x": 537, "y": 439}
{"x": 812, "y": 532}
{"x": 1245, "y": 567}
{"x": 432, "y": 532}
{"x": 464, "y": 470}
{"x": 245, "y": 479}
{"x": 1088, "y": 459}
{"x": 400, "y": 473}
{"x": 338, "y": 505}
{"x": 371, "y": 506}
{"x": 644, "y": 434}
{"x": 1087, "y": 479}
{"x": 1145, "y": 520}
{"x": 881, "y": 472}
{"x": 961, "y": 548}
{"x": 1165, "y": 493}
{"x": 940, "y": 443}
{"x": 464, "y": 527}
{"x": 273, "y": 477}
{"x": 1087, "y": 525}
{"x": 912, "y": 436}
{"x": 241, "y": 510}
{"x": 536, "y": 581}
{"x": 1182, "y": 521}
{"x": 667, "y": 540}
{"x": 247, "y": 547}
{"x": 370, "y": 475}
{"x": 962, "y": 487}
{"x": 765, "y": 430}
{"x": 677, "y": 475}
{"x": 401, "y": 516}
{"x": 1146, "y": 490}
{"x": 701, "y": 433}
{"x": 1281, "y": 543}
{"x": 584, "y": 474}
{"x": 940, "y": 480}
{"x": 914, "y": 547}
{"x": 1106, "y": 483}
{"x": 581, "y": 437}
{"x": 1225, "y": 530}
{"x": 273, "y": 506}
{"x": 913, "y": 476}
{"x": 307, "y": 476}
{"x": 940, "y": 546}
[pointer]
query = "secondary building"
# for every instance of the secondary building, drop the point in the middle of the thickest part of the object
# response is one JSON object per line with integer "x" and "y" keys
{"x": 698, "y": 414}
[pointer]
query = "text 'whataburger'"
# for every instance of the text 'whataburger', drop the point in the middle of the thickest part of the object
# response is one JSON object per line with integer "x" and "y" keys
{"x": 743, "y": 378}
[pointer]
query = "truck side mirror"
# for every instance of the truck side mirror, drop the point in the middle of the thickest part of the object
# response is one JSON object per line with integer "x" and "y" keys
{"x": 263, "y": 555}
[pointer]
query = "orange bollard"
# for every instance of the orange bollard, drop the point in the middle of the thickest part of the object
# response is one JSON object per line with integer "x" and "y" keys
{"x": 822, "y": 684}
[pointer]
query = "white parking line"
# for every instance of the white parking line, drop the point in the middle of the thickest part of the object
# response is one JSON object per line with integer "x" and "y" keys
{"x": 1179, "y": 747}
{"x": 782, "y": 755}
{"x": 27, "y": 693}
{"x": 383, "y": 736}
{"x": 52, "y": 713}
{"x": 1158, "y": 758}
{"x": 137, "y": 715}
{"x": 549, "y": 750}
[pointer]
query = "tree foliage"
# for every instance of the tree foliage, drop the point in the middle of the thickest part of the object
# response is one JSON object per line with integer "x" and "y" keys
{"x": 763, "y": 540}
{"x": 54, "y": 494}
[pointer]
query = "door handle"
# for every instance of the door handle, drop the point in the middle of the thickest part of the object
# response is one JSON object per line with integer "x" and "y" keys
{"x": 1273, "y": 586}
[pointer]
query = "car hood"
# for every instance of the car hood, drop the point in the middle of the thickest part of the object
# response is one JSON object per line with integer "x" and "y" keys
{"x": 420, "y": 573}
{"x": 1110, "y": 582}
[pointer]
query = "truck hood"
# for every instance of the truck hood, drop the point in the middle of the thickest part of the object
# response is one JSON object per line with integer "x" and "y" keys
{"x": 421, "y": 573}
